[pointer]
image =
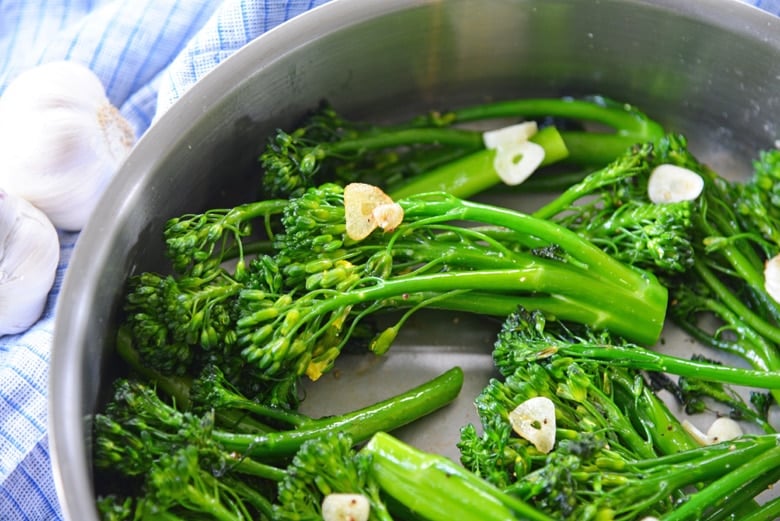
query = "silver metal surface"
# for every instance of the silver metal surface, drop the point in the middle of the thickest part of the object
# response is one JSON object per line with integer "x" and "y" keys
{"x": 707, "y": 68}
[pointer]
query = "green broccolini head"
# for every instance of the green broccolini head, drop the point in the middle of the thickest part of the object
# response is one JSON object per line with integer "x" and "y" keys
{"x": 149, "y": 302}
{"x": 291, "y": 161}
{"x": 138, "y": 427}
{"x": 766, "y": 175}
{"x": 325, "y": 466}
{"x": 211, "y": 390}
{"x": 314, "y": 227}
{"x": 611, "y": 208}
{"x": 198, "y": 244}
{"x": 181, "y": 483}
{"x": 495, "y": 454}
{"x": 113, "y": 507}
{"x": 757, "y": 200}
{"x": 195, "y": 242}
{"x": 174, "y": 321}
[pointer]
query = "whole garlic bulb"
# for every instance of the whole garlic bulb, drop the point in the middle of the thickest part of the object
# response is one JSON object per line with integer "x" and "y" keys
{"x": 61, "y": 140}
{"x": 29, "y": 253}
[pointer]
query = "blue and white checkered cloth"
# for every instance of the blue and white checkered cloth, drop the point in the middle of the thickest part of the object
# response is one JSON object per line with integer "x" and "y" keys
{"x": 147, "y": 53}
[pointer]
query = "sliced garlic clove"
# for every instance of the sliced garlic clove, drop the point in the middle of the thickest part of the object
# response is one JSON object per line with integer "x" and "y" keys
{"x": 772, "y": 277}
{"x": 388, "y": 217}
{"x": 513, "y": 134}
{"x": 366, "y": 208}
{"x": 673, "y": 184}
{"x": 534, "y": 420}
{"x": 29, "y": 253}
{"x": 724, "y": 429}
{"x": 61, "y": 141}
{"x": 514, "y": 163}
{"x": 516, "y": 157}
{"x": 345, "y": 507}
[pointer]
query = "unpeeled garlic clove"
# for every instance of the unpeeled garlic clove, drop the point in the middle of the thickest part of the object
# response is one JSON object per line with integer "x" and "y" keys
{"x": 61, "y": 141}
{"x": 29, "y": 253}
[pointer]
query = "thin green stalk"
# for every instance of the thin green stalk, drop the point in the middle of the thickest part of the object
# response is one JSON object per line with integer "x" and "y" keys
{"x": 538, "y": 233}
{"x": 742, "y": 260}
{"x": 766, "y": 512}
{"x": 250, "y": 467}
{"x": 742, "y": 505}
{"x": 669, "y": 474}
{"x": 737, "y": 306}
{"x": 638, "y": 357}
{"x": 637, "y": 319}
{"x": 756, "y": 350}
{"x": 360, "y": 425}
{"x": 624, "y": 118}
{"x": 626, "y": 166}
{"x": 654, "y": 417}
{"x": 394, "y": 137}
{"x": 746, "y": 466}
{"x": 502, "y": 305}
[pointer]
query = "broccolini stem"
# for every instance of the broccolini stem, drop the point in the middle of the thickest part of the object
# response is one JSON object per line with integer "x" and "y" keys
{"x": 637, "y": 320}
{"x": 739, "y": 256}
{"x": 766, "y": 512}
{"x": 749, "y": 465}
{"x": 393, "y": 137}
{"x": 630, "y": 125}
{"x": 627, "y": 165}
{"x": 644, "y": 406}
{"x": 251, "y": 467}
{"x": 360, "y": 425}
{"x": 502, "y": 305}
{"x": 737, "y": 306}
{"x": 620, "y": 116}
{"x": 742, "y": 504}
{"x": 749, "y": 345}
{"x": 640, "y": 358}
{"x": 539, "y": 232}
{"x": 437, "y": 488}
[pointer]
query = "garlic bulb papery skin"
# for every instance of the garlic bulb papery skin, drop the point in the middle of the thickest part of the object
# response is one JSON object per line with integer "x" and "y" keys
{"x": 29, "y": 254}
{"x": 61, "y": 141}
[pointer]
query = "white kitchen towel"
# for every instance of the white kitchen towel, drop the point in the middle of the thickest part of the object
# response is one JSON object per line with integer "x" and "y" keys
{"x": 147, "y": 53}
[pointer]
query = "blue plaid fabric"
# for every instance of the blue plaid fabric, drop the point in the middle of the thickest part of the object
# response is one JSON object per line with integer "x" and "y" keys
{"x": 147, "y": 53}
